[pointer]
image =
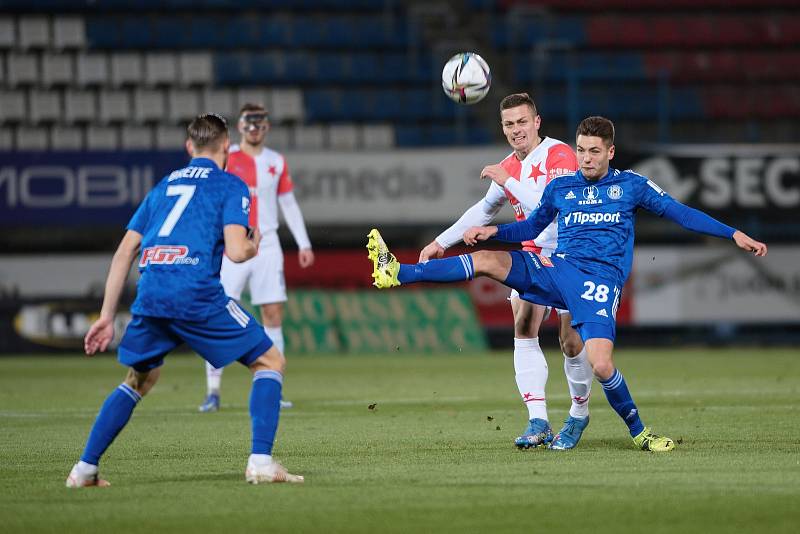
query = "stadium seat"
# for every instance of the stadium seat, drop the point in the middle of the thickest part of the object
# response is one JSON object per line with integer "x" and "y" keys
{"x": 92, "y": 69}
{"x": 136, "y": 138}
{"x": 148, "y": 105}
{"x": 265, "y": 68}
{"x": 12, "y": 106}
{"x": 44, "y": 106}
{"x": 253, "y": 95}
{"x": 160, "y": 69}
{"x": 170, "y": 137}
{"x": 31, "y": 138}
{"x": 220, "y": 101}
{"x": 231, "y": 68}
{"x": 377, "y": 136}
{"x": 8, "y": 34}
{"x": 323, "y": 104}
{"x": 22, "y": 69}
{"x": 66, "y": 138}
{"x": 286, "y": 105}
{"x": 182, "y": 105}
{"x": 79, "y": 106}
{"x": 69, "y": 33}
{"x": 126, "y": 69}
{"x": 102, "y": 137}
{"x": 115, "y": 106}
{"x": 6, "y": 139}
{"x": 195, "y": 69}
{"x": 34, "y": 32}
{"x": 309, "y": 137}
{"x": 57, "y": 69}
{"x": 281, "y": 139}
{"x": 343, "y": 136}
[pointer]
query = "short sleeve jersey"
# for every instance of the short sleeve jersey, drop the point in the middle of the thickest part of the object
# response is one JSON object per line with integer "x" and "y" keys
{"x": 596, "y": 219}
{"x": 181, "y": 221}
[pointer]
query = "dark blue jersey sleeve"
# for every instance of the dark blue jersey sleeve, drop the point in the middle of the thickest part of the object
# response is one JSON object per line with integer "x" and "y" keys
{"x": 653, "y": 198}
{"x": 531, "y": 227}
{"x": 138, "y": 222}
{"x": 237, "y": 204}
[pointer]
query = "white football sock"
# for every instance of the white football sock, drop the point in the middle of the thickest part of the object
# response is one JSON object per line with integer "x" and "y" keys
{"x": 275, "y": 333}
{"x": 260, "y": 459}
{"x": 86, "y": 469}
{"x": 213, "y": 378}
{"x": 531, "y": 369}
{"x": 579, "y": 379}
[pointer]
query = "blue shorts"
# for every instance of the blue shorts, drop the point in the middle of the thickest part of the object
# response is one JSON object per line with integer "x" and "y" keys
{"x": 591, "y": 300}
{"x": 230, "y": 334}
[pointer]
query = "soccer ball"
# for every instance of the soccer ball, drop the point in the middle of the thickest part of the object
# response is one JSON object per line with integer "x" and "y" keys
{"x": 466, "y": 78}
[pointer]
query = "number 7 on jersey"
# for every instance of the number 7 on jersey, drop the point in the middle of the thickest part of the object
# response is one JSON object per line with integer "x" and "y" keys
{"x": 184, "y": 194}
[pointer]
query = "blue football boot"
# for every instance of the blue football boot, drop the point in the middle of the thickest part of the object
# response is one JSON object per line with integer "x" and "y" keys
{"x": 211, "y": 404}
{"x": 570, "y": 434}
{"x": 537, "y": 433}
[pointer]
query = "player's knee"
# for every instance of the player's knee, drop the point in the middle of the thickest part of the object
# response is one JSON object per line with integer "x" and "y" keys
{"x": 142, "y": 383}
{"x": 571, "y": 344}
{"x": 603, "y": 369}
{"x": 272, "y": 360}
{"x": 490, "y": 263}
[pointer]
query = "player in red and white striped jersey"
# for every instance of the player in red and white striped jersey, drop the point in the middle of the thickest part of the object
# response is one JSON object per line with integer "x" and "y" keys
{"x": 520, "y": 178}
{"x": 267, "y": 176}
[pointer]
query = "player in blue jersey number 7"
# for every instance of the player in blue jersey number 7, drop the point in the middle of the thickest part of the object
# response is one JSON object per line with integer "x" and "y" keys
{"x": 182, "y": 227}
{"x": 595, "y": 209}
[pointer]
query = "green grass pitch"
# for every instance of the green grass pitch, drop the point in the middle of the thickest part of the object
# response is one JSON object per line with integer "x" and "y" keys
{"x": 434, "y": 453}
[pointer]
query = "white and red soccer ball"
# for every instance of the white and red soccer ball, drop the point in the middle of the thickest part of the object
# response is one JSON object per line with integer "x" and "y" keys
{"x": 466, "y": 78}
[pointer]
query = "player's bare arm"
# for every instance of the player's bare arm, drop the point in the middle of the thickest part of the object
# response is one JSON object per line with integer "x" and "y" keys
{"x": 102, "y": 331}
{"x": 479, "y": 233}
{"x": 495, "y": 173}
{"x": 745, "y": 242}
{"x": 238, "y": 246}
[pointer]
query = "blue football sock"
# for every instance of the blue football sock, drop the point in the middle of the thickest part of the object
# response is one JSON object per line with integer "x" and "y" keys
{"x": 265, "y": 407}
{"x": 454, "y": 269}
{"x": 619, "y": 398}
{"x": 114, "y": 415}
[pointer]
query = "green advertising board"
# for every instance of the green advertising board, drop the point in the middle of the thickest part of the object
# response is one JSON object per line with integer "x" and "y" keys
{"x": 420, "y": 321}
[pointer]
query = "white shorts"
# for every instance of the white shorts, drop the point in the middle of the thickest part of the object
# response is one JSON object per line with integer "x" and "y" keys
{"x": 264, "y": 272}
{"x": 515, "y": 295}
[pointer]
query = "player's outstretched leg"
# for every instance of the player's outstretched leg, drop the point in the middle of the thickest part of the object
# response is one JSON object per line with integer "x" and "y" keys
{"x": 388, "y": 272}
{"x": 619, "y": 397}
{"x": 213, "y": 382}
{"x": 264, "y": 412}
{"x": 114, "y": 415}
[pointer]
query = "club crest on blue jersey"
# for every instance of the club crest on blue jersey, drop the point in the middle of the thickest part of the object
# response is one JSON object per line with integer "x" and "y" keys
{"x": 614, "y": 192}
{"x": 591, "y": 194}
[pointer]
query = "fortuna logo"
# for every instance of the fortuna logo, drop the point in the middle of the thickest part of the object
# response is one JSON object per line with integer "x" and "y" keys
{"x": 602, "y": 313}
{"x": 167, "y": 255}
{"x": 580, "y": 217}
{"x": 569, "y": 196}
{"x": 590, "y": 193}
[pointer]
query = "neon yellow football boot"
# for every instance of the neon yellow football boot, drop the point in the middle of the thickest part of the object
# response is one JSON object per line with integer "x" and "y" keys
{"x": 647, "y": 441}
{"x": 385, "y": 265}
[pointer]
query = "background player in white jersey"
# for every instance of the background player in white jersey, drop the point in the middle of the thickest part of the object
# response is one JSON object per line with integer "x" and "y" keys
{"x": 520, "y": 178}
{"x": 181, "y": 229}
{"x": 267, "y": 175}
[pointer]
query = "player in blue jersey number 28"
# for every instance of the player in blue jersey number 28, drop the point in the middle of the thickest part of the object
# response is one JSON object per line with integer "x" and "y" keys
{"x": 182, "y": 228}
{"x": 594, "y": 209}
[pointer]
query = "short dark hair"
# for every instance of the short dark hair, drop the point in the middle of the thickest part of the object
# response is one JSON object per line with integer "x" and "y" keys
{"x": 207, "y": 131}
{"x": 251, "y": 106}
{"x": 519, "y": 99}
{"x": 597, "y": 127}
